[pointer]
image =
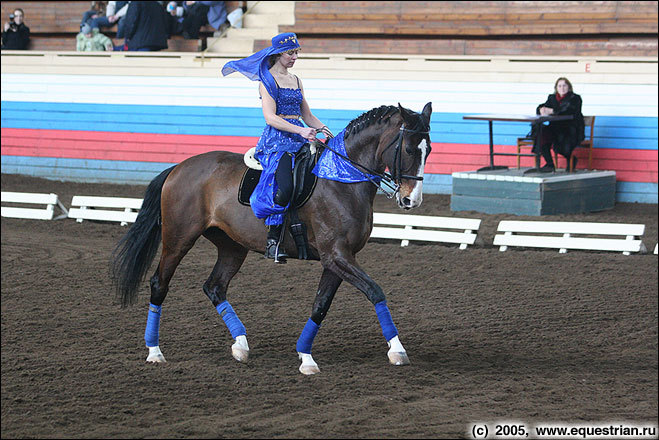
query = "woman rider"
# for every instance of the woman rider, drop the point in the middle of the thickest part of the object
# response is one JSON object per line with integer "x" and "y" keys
{"x": 284, "y": 104}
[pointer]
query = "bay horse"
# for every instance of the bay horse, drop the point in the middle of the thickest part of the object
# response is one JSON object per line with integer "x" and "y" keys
{"x": 198, "y": 197}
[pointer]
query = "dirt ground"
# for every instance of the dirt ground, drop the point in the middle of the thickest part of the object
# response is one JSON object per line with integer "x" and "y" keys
{"x": 530, "y": 336}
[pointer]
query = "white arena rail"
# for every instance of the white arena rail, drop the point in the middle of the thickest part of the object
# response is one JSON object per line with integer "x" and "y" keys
{"x": 566, "y": 241}
{"x": 47, "y": 213}
{"x": 89, "y": 208}
{"x": 410, "y": 223}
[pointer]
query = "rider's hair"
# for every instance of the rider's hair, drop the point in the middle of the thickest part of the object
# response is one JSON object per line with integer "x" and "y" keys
{"x": 272, "y": 59}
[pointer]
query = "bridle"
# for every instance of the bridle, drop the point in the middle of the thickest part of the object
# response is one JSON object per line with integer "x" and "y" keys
{"x": 392, "y": 181}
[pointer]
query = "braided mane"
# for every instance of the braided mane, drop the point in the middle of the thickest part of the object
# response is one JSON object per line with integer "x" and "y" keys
{"x": 378, "y": 114}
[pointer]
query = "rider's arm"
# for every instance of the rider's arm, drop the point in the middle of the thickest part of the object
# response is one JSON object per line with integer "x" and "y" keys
{"x": 270, "y": 114}
{"x": 309, "y": 117}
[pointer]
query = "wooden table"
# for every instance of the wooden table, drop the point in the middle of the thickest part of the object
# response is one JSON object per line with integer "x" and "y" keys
{"x": 532, "y": 119}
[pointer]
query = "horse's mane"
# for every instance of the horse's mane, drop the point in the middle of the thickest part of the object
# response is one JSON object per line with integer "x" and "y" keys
{"x": 367, "y": 119}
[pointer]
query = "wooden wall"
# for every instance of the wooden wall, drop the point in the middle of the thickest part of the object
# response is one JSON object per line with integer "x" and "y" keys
{"x": 572, "y": 28}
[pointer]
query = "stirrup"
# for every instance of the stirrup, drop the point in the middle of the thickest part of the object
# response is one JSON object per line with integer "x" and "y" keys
{"x": 273, "y": 252}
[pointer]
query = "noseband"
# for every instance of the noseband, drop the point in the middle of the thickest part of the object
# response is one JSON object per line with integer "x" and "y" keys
{"x": 394, "y": 180}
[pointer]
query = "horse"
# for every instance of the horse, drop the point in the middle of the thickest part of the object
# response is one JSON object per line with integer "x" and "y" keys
{"x": 198, "y": 197}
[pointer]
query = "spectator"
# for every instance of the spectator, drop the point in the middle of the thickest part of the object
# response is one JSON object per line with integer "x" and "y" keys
{"x": 16, "y": 35}
{"x": 200, "y": 13}
{"x": 97, "y": 11}
{"x": 146, "y": 27}
{"x": 176, "y": 17}
{"x": 91, "y": 40}
{"x": 564, "y": 136}
{"x": 116, "y": 11}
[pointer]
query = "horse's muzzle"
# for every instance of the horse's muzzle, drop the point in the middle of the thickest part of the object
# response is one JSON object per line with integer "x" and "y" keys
{"x": 407, "y": 203}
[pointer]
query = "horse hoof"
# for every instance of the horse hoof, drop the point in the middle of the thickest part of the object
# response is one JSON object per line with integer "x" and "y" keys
{"x": 398, "y": 358}
{"x": 159, "y": 359}
{"x": 308, "y": 370}
{"x": 239, "y": 353}
{"x": 308, "y": 366}
{"x": 155, "y": 356}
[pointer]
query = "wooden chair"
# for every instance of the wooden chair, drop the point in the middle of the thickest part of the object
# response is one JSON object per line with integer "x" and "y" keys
{"x": 589, "y": 122}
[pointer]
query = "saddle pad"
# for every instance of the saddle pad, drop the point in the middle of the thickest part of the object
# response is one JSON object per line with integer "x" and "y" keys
{"x": 247, "y": 184}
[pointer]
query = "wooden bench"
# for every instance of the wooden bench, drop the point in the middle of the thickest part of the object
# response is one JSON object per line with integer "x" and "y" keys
{"x": 50, "y": 200}
{"x": 566, "y": 240}
{"x": 88, "y": 208}
{"x": 432, "y": 226}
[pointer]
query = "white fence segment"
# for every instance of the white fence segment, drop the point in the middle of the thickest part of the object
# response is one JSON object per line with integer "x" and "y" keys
{"x": 88, "y": 208}
{"x": 630, "y": 232}
{"x": 408, "y": 232}
{"x": 47, "y": 213}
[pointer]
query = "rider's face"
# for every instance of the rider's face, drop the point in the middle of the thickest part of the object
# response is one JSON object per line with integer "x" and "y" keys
{"x": 288, "y": 58}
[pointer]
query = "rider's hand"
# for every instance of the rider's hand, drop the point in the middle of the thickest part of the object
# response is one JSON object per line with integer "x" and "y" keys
{"x": 308, "y": 133}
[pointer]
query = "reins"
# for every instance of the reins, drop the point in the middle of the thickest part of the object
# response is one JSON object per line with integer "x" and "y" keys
{"x": 391, "y": 181}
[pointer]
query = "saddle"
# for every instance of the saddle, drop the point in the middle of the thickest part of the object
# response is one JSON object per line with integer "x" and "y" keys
{"x": 304, "y": 182}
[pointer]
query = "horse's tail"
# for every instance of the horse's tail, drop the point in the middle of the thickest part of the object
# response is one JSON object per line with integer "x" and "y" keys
{"x": 136, "y": 250}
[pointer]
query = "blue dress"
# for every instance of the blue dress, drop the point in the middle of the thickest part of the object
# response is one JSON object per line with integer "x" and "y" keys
{"x": 270, "y": 148}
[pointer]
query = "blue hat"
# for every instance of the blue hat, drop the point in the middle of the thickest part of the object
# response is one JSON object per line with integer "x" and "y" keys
{"x": 255, "y": 67}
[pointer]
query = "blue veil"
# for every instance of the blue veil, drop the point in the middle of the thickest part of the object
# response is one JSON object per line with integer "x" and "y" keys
{"x": 255, "y": 67}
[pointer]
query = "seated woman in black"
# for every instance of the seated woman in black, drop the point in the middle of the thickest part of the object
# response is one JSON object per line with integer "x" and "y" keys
{"x": 563, "y": 135}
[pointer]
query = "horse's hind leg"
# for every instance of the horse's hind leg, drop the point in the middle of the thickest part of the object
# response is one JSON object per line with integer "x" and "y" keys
{"x": 230, "y": 256}
{"x": 329, "y": 283}
{"x": 169, "y": 260}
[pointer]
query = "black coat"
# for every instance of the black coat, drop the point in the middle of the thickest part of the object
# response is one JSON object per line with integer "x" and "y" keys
{"x": 566, "y": 135}
{"x": 146, "y": 26}
{"x": 16, "y": 40}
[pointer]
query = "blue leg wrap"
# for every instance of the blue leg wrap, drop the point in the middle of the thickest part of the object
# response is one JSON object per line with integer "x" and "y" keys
{"x": 389, "y": 330}
{"x": 151, "y": 334}
{"x": 305, "y": 340}
{"x": 236, "y": 328}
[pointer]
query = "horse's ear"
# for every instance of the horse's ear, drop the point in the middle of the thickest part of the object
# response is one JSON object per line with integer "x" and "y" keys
{"x": 405, "y": 113}
{"x": 427, "y": 111}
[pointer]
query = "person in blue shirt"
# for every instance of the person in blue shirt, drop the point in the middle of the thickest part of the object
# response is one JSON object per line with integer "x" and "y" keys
{"x": 284, "y": 108}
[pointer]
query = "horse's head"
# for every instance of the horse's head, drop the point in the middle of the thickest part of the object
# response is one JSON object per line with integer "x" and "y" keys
{"x": 402, "y": 143}
{"x": 406, "y": 155}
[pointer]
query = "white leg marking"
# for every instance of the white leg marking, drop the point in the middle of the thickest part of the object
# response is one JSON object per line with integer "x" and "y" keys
{"x": 397, "y": 354}
{"x": 240, "y": 349}
{"x": 155, "y": 355}
{"x": 308, "y": 365}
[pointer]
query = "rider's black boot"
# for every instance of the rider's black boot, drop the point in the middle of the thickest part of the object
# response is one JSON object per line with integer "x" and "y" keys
{"x": 272, "y": 250}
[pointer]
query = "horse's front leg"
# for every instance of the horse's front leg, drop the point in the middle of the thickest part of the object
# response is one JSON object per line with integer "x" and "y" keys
{"x": 329, "y": 283}
{"x": 348, "y": 269}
